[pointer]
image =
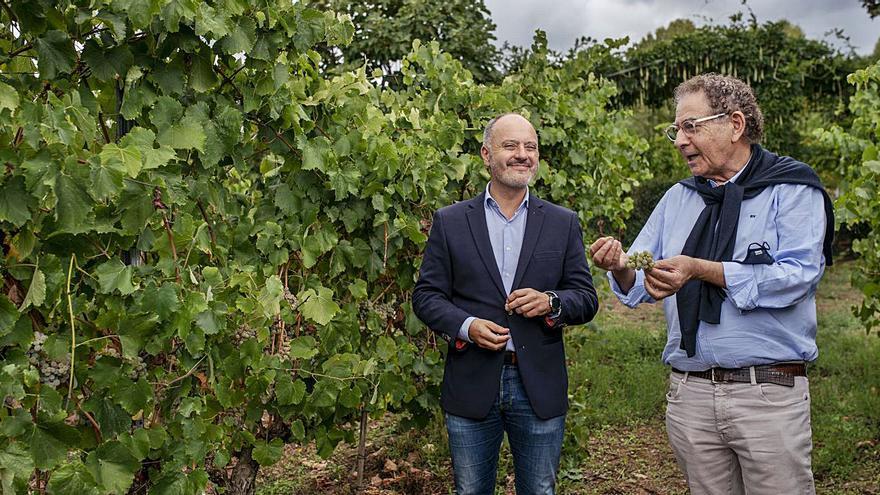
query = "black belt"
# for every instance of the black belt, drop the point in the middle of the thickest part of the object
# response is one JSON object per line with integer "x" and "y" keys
{"x": 510, "y": 358}
{"x": 779, "y": 373}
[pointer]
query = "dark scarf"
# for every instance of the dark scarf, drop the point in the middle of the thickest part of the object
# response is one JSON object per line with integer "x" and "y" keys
{"x": 698, "y": 301}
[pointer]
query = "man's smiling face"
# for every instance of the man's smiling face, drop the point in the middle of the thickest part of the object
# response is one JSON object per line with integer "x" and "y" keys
{"x": 512, "y": 153}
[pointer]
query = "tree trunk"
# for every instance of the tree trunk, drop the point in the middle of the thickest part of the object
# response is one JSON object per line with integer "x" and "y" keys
{"x": 243, "y": 479}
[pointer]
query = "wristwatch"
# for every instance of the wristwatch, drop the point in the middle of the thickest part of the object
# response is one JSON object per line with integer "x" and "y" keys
{"x": 555, "y": 304}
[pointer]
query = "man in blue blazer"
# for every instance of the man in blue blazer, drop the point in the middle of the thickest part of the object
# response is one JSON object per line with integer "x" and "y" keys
{"x": 501, "y": 275}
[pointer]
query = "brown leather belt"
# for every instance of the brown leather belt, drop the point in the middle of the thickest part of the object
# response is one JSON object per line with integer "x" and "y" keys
{"x": 779, "y": 373}
{"x": 510, "y": 358}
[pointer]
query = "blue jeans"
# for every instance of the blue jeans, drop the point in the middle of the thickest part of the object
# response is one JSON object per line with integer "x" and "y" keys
{"x": 534, "y": 442}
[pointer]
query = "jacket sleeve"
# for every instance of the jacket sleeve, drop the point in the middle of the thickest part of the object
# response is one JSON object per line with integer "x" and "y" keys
{"x": 577, "y": 296}
{"x": 432, "y": 295}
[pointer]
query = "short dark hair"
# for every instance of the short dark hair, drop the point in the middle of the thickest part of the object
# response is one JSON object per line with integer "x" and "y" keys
{"x": 727, "y": 94}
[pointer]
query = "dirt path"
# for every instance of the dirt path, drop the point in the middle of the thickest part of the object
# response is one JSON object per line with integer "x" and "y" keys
{"x": 631, "y": 460}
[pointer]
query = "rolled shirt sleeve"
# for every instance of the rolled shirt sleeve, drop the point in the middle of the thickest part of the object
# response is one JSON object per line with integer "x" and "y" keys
{"x": 798, "y": 261}
{"x": 636, "y": 295}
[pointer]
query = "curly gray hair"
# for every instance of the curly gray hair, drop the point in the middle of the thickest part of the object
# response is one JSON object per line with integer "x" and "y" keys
{"x": 727, "y": 94}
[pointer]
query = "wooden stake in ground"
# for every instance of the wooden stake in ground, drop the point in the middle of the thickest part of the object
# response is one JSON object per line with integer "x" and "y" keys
{"x": 362, "y": 450}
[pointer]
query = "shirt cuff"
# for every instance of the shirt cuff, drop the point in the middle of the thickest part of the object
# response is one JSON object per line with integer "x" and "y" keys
{"x": 463, "y": 331}
{"x": 742, "y": 288}
{"x": 637, "y": 292}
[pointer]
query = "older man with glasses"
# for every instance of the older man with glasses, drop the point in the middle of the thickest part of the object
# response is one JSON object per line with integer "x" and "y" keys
{"x": 740, "y": 249}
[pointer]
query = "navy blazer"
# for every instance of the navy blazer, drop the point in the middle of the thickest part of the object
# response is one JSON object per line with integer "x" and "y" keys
{"x": 459, "y": 278}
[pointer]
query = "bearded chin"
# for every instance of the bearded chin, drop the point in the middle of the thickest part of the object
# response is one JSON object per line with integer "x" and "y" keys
{"x": 516, "y": 182}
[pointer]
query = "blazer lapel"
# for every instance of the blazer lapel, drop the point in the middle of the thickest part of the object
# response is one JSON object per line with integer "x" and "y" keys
{"x": 534, "y": 224}
{"x": 476, "y": 216}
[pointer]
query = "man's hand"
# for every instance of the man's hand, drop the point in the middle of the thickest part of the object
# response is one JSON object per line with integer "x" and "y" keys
{"x": 528, "y": 302}
{"x": 488, "y": 334}
{"x": 669, "y": 276}
{"x": 607, "y": 254}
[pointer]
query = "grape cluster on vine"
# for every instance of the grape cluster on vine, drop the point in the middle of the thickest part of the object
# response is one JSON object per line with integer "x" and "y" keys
{"x": 139, "y": 366}
{"x": 139, "y": 369}
{"x": 52, "y": 373}
{"x": 291, "y": 298}
{"x": 385, "y": 311}
{"x": 641, "y": 260}
{"x": 278, "y": 330}
{"x": 243, "y": 333}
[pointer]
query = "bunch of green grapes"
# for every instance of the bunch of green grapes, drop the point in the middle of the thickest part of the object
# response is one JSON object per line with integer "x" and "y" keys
{"x": 243, "y": 333}
{"x": 52, "y": 373}
{"x": 385, "y": 311}
{"x": 139, "y": 368}
{"x": 640, "y": 260}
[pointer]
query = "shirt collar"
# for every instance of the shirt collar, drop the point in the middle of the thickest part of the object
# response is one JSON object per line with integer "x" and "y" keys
{"x": 490, "y": 201}
{"x": 736, "y": 176}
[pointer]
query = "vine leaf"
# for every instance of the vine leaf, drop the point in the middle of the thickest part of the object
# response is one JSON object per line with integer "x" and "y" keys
{"x": 115, "y": 276}
{"x": 107, "y": 64}
{"x": 56, "y": 54}
{"x": 72, "y": 479}
{"x": 270, "y": 297}
{"x": 15, "y": 464}
{"x": 8, "y": 97}
{"x": 112, "y": 466}
{"x": 304, "y": 347}
{"x": 36, "y": 293}
{"x": 318, "y": 306}
{"x": 125, "y": 159}
{"x": 187, "y": 134}
{"x": 268, "y": 453}
{"x": 73, "y": 206}
{"x": 49, "y": 443}
{"x": 15, "y": 202}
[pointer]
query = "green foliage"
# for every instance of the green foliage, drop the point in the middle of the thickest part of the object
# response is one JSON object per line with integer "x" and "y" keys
{"x": 384, "y": 31}
{"x": 872, "y": 6}
{"x": 858, "y": 149}
{"x": 218, "y": 239}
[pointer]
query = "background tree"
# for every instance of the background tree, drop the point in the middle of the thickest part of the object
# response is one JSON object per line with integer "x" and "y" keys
{"x": 677, "y": 27}
{"x": 872, "y": 6}
{"x": 385, "y": 30}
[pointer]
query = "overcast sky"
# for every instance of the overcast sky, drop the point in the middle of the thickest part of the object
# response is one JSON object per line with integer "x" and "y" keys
{"x": 566, "y": 20}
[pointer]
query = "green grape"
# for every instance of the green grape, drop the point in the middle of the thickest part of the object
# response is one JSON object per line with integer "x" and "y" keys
{"x": 641, "y": 260}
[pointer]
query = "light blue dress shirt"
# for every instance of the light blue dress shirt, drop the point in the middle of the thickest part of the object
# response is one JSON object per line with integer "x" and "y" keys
{"x": 769, "y": 314}
{"x": 506, "y": 236}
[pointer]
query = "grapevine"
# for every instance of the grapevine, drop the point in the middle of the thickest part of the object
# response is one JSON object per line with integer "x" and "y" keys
{"x": 246, "y": 230}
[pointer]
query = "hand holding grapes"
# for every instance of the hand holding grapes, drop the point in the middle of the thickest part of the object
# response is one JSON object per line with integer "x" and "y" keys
{"x": 668, "y": 276}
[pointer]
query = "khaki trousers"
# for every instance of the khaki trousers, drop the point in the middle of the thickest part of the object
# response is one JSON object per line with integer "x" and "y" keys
{"x": 741, "y": 438}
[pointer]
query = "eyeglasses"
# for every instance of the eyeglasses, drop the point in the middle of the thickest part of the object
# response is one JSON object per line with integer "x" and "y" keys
{"x": 689, "y": 126}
